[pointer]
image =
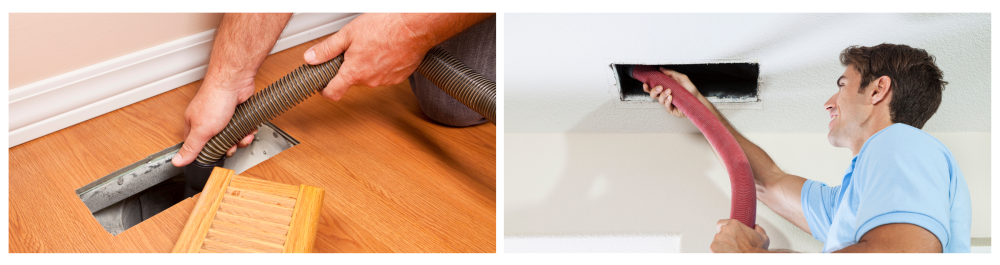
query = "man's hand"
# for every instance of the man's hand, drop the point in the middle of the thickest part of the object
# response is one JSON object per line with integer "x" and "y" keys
{"x": 207, "y": 114}
{"x": 378, "y": 50}
{"x": 384, "y": 49}
{"x": 665, "y": 98}
{"x": 242, "y": 43}
{"x": 734, "y": 237}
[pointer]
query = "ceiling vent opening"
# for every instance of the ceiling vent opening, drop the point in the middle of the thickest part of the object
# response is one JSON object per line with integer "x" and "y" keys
{"x": 718, "y": 82}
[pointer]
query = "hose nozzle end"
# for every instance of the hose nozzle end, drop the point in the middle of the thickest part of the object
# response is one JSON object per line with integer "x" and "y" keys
{"x": 196, "y": 175}
{"x": 628, "y": 69}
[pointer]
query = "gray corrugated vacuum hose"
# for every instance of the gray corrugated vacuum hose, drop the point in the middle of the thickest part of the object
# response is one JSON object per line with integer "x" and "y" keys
{"x": 441, "y": 68}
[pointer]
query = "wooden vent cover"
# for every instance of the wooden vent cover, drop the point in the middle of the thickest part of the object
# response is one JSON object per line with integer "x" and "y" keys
{"x": 241, "y": 214}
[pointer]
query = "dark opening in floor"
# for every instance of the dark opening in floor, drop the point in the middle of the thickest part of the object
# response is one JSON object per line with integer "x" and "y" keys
{"x": 139, "y": 191}
{"x": 719, "y": 82}
{"x": 144, "y": 205}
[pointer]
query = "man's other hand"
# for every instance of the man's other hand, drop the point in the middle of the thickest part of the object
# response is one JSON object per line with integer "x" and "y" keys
{"x": 665, "y": 97}
{"x": 734, "y": 237}
{"x": 379, "y": 49}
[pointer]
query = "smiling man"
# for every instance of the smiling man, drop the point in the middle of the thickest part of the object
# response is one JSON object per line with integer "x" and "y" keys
{"x": 903, "y": 191}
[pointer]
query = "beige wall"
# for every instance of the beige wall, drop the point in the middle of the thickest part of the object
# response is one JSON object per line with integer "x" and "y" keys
{"x": 593, "y": 184}
{"x": 47, "y": 45}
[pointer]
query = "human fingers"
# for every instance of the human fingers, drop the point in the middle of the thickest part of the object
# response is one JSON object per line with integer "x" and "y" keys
{"x": 720, "y": 224}
{"x": 241, "y": 144}
{"x": 206, "y": 115}
{"x": 723, "y": 241}
{"x": 677, "y": 76}
{"x": 655, "y": 92}
{"x": 763, "y": 234}
{"x": 343, "y": 81}
{"x": 193, "y": 144}
{"x": 329, "y": 48}
{"x": 247, "y": 140}
{"x": 645, "y": 87}
{"x": 669, "y": 103}
{"x": 717, "y": 245}
{"x": 663, "y": 98}
{"x": 231, "y": 151}
{"x": 760, "y": 230}
{"x": 681, "y": 79}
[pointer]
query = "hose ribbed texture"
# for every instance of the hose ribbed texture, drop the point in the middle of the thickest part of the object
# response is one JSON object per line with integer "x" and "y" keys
{"x": 744, "y": 200}
{"x": 274, "y": 100}
{"x": 461, "y": 82}
{"x": 449, "y": 74}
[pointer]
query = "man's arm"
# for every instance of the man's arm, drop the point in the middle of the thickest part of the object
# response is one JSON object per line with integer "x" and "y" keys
{"x": 734, "y": 237}
{"x": 896, "y": 238}
{"x": 384, "y": 49}
{"x": 778, "y": 190}
{"x": 242, "y": 41}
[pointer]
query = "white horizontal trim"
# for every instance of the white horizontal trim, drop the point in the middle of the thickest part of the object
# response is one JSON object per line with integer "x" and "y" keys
{"x": 980, "y": 249}
{"x": 55, "y": 103}
{"x": 649, "y": 243}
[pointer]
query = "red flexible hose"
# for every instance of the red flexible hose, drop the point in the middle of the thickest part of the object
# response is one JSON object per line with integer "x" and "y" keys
{"x": 744, "y": 201}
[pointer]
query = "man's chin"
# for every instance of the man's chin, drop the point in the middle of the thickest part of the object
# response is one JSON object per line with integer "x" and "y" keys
{"x": 832, "y": 138}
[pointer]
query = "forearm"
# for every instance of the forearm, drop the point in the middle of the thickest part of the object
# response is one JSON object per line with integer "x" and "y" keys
{"x": 242, "y": 42}
{"x": 432, "y": 29}
{"x": 779, "y": 191}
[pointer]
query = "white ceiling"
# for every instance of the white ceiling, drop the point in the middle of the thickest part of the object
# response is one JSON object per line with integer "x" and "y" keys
{"x": 557, "y": 76}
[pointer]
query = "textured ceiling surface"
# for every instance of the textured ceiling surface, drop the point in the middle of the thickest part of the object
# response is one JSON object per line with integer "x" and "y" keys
{"x": 558, "y": 79}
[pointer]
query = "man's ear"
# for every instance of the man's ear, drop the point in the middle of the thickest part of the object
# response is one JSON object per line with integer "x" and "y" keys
{"x": 883, "y": 85}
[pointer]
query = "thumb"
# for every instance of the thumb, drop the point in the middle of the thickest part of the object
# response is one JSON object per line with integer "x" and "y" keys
{"x": 327, "y": 49}
{"x": 673, "y": 75}
{"x": 192, "y": 146}
{"x": 760, "y": 230}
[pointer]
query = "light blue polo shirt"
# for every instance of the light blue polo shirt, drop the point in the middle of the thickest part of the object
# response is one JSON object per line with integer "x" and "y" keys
{"x": 901, "y": 175}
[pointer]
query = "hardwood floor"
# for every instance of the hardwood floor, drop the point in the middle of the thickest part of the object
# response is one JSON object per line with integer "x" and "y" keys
{"x": 395, "y": 181}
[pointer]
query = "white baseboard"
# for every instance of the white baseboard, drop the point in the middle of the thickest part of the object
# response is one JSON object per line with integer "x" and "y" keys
{"x": 55, "y": 103}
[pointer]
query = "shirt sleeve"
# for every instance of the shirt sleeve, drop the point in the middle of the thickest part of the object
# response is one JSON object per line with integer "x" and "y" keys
{"x": 819, "y": 202}
{"x": 903, "y": 182}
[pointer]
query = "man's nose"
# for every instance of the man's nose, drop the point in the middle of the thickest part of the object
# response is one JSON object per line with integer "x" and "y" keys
{"x": 831, "y": 103}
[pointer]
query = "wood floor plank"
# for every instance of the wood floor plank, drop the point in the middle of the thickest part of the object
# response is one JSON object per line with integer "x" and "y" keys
{"x": 395, "y": 181}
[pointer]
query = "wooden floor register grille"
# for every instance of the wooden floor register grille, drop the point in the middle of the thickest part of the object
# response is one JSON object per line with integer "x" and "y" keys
{"x": 248, "y": 215}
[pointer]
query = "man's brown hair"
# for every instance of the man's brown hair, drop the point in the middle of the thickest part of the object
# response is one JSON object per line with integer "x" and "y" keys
{"x": 916, "y": 80}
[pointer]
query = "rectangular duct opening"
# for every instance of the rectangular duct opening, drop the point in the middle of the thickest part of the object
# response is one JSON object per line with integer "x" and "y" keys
{"x": 718, "y": 82}
{"x": 151, "y": 185}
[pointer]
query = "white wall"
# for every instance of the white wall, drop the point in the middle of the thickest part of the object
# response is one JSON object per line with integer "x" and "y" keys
{"x": 580, "y": 162}
{"x": 44, "y": 45}
{"x": 557, "y": 77}
{"x": 579, "y": 184}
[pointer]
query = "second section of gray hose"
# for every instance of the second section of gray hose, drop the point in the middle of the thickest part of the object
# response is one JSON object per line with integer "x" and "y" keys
{"x": 461, "y": 82}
